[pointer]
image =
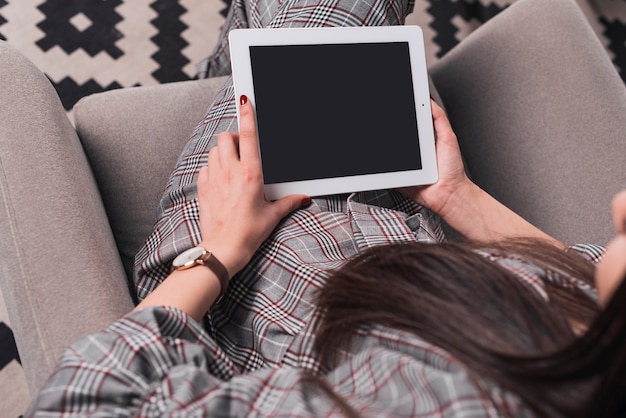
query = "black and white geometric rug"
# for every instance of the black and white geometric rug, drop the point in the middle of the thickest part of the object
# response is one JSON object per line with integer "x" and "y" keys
{"x": 88, "y": 46}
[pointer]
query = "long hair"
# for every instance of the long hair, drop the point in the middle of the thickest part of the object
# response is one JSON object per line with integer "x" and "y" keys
{"x": 598, "y": 355}
{"x": 497, "y": 326}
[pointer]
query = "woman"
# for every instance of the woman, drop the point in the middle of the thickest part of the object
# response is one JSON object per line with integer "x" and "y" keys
{"x": 159, "y": 360}
{"x": 301, "y": 332}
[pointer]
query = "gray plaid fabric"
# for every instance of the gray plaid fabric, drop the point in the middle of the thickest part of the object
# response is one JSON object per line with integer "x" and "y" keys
{"x": 253, "y": 355}
{"x": 308, "y": 243}
{"x": 298, "y": 13}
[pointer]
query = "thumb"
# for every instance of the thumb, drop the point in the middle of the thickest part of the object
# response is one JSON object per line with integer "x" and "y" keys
{"x": 288, "y": 204}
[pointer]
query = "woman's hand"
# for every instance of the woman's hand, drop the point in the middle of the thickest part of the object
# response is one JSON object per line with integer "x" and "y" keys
{"x": 452, "y": 177}
{"x": 461, "y": 203}
{"x": 235, "y": 216}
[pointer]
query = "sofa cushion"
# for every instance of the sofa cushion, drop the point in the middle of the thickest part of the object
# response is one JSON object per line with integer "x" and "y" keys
{"x": 539, "y": 109}
{"x": 132, "y": 138}
{"x": 60, "y": 271}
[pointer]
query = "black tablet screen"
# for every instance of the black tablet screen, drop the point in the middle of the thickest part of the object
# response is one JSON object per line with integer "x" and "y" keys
{"x": 334, "y": 110}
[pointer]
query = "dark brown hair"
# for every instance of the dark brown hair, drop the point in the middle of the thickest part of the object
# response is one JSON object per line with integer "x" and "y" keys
{"x": 496, "y": 325}
{"x": 598, "y": 356}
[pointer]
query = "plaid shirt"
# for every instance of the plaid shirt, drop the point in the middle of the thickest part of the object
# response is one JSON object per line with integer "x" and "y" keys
{"x": 253, "y": 354}
{"x": 159, "y": 362}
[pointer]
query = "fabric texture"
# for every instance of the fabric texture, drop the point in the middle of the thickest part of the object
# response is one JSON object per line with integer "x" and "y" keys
{"x": 162, "y": 363}
{"x": 158, "y": 361}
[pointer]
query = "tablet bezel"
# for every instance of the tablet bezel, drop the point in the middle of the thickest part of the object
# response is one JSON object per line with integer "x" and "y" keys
{"x": 241, "y": 40}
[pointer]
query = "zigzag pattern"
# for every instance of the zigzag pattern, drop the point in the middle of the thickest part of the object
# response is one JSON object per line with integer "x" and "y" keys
{"x": 615, "y": 31}
{"x": 99, "y": 35}
{"x": 170, "y": 27}
{"x": 224, "y": 11}
{"x": 2, "y": 20}
{"x": 444, "y": 12}
{"x": 86, "y": 47}
{"x": 7, "y": 346}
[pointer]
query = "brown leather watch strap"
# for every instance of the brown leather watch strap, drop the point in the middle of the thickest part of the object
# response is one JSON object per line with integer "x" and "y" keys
{"x": 210, "y": 261}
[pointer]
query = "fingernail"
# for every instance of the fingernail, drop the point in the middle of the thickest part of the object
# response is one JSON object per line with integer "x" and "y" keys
{"x": 305, "y": 202}
{"x": 243, "y": 99}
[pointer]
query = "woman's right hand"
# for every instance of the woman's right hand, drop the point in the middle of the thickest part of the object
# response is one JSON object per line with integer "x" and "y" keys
{"x": 235, "y": 218}
{"x": 235, "y": 215}
{"x": 452, "y": 177}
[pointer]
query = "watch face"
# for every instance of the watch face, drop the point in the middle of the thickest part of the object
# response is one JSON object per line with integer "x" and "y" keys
{"x": 189, "y": 257}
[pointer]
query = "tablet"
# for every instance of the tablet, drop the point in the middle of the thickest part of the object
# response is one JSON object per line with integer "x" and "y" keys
{"x": 338, "y": 109}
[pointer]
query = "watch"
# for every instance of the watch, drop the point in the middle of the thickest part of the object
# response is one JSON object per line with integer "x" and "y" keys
{"x": 200, "y": 256}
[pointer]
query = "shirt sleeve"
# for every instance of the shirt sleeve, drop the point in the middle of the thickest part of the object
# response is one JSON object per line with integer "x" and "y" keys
{"x": 158, "y": 362}
{"x": 591, "y": 252}
{"x": 149, "y": 362}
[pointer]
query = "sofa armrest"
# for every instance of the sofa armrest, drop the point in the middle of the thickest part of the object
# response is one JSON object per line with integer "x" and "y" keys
{"x": 60, "y": 274}
{"x": 133, "y": 138}
{"x": 539, "y": 111}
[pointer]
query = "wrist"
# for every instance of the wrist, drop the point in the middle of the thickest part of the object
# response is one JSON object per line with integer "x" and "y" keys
{"x": 200, "y": 256}
{"x": 193, "y": 290}
{"x": 453, "y": 199}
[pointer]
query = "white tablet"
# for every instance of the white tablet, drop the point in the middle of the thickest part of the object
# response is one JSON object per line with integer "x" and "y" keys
{"x": 338, "y": 109}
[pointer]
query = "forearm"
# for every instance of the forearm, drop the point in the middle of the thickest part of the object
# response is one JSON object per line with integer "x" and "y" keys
{"x": 480, "y": 217}
{"x": 193, "y": 291}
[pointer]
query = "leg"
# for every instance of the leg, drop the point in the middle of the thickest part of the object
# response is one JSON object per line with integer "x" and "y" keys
{"x": 176, "y": 220}
{"x": 298, "y": 13}
{"x": 177, "y": 227}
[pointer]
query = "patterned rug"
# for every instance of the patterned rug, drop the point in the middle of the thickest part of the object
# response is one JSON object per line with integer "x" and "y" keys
{"x": 87, "y": 46}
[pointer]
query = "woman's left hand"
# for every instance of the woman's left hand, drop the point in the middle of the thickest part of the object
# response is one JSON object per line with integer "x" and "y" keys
{"x": 452, "y": 178}
{"x": 235, "y": 215}
{"x": 462, "y": 204}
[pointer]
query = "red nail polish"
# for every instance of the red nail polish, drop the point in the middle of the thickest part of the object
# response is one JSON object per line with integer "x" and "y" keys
{"x": 305, "y": 202}
{"x": 243, "y": 99}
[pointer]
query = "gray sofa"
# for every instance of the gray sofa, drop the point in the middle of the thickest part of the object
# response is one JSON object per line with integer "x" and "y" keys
{"x": 539, "y": 109}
